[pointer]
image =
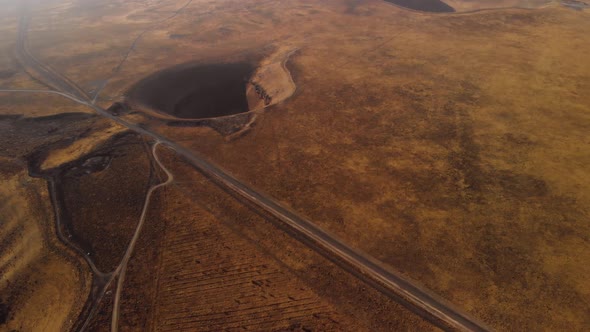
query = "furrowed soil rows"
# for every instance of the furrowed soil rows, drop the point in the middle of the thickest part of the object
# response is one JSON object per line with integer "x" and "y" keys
{"x": 212, "y": 279}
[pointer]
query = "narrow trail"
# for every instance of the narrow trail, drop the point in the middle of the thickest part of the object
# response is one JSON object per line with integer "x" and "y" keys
{"x": 122, "y": 268}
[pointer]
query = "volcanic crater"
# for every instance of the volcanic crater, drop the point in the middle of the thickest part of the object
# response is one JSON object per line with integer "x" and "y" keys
{"x": 195, "y": 91}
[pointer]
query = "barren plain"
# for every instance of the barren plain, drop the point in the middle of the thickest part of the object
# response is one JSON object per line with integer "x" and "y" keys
{"x": 294, "y": 165}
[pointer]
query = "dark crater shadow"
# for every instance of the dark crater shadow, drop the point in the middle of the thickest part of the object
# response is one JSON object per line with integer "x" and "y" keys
{"x": 432, "y": 6}
{"x": 195, "y": 91}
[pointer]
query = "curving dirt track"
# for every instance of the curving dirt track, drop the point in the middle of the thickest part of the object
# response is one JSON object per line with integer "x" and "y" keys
{"x": 122, "y": 268}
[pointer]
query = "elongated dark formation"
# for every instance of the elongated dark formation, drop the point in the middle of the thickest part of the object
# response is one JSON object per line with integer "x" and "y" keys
{"x": 261, "y": 93}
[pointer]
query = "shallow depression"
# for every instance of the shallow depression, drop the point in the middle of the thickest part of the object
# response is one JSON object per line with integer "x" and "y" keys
{"x": 192, "y": 91}
{"x": 433, "y": 6}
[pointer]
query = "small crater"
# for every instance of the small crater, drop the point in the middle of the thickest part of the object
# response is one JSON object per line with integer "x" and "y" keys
{"x": 95, "y": 164}
{"x": 432, "y": 6}
{"x": 177, "y": 36}
{"x": 575, "y": 5}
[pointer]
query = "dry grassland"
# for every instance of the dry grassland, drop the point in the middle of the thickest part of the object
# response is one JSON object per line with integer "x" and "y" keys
{"x": 452, "y": 147}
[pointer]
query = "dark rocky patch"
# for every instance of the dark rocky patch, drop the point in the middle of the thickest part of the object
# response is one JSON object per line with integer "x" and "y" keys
{"x": 224, "y": 126}
{"x": 20, "y": 136}
{"x": 60, "y": 117}
{"x": 118, "y": 108}
{"x": 521, "y": 186}
{"x": 10, "y": 117}
{"x": 7, "y": 73}
{"x": 433, "y": 6}
{"x": 92, "y": 165}
{"x": 192, "y": 91}
{"x": 351, "y": 6}
{"x": 177, "y": 36}
{"x": 4, "y": 311}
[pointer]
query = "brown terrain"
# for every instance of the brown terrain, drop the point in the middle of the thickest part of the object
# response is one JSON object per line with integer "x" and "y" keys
{"x": 446, "y": 139}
